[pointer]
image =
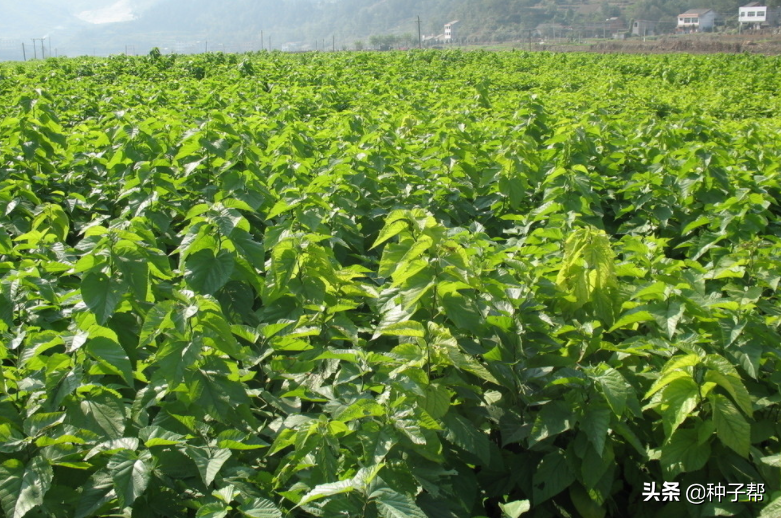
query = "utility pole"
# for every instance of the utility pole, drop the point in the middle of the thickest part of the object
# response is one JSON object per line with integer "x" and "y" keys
{"x": 206, "y": 45}
{"x": 420, "y": 40}
{"x": 261, "y": 40}
{"x": 333, "y": 43}
{"x": 24, "y": 52}
{"x": 50, "y": 46}
{"x": 35, "y": 49}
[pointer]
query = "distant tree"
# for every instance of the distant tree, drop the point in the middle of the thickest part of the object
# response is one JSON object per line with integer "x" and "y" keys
{"x": 358, "y": 45}
{"x": 666, "y": 24}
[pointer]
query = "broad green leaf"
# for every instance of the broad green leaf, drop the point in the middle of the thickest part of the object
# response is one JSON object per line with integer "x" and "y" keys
{"x": 416, "y": 288}
{"x": 125, "y": 443}
{"x": 209, "y": 461}
{"x": 22, "y": 488}
{"x": 681, "y": 362}
{"x": 734, "y": 388}
{"x": 102, "y": 413}
{"x": 11, "y": 439}
{"x": 772, "y": 460}
{"x": 694, "y": 224}
{"x": 772, "y": 510}
{"x": 448, "y": 349}
{"x": 554, "y": 418}
{"x": 672, "y": 316}
{"x": 260, "y": 508}
{"x": 679, "y": 400}
{"x": 39, "y": 343}
{"x": 674, "y": 369}
{"x": 461, "y": 432}
{"x": 389, "y": 231}
{"x": 52, "y": 219}
{"x": 226, "y": 220}
{"x": 158, "y": 320}
{"x": 552, "y": 476}
{"x": 360, "y": 409}
{"x": 134, "y": 267}
{"x": 6, "y": 246}
{"x": 515, "y": 509}
{"x": 217, "y": 326}
{"x": 437, "y": 400}
{"x": 622, "y": 429}
{"x": 463, "y": 312}
{"x": 131, "y": 474}
{"x": 683, "y": 452}
{"x": 111, "y": 356}
{"x": 654, "y": 290}
{"x": 206, "y": 273}
{"x": 412, "y": 429}
{"x": 235, "y": 440}
{"x": 594, "y": 466}
{"x": 705, "y": 430}
{"x": 595, "y": 423}
{"x": 632, "y": 318}
{"x": 616, "y": 390}
{"x": 731, "y": 428}
{"x": 329, "y": 489}
{"x": 391, "y": 504}
{"x": 101, "y": 294}
{"x": 41, "y": 421}
{"x": 97, "y": 492}
{"x": 515, "y": 189}
{"x": 213, "y": 510}
{"x": 408, "y": 328}
{"x": 584, "y": 503}
{"x": 403, "y": 271}
{"x": 157, "y": 436}
{"x": 212, "y": 391}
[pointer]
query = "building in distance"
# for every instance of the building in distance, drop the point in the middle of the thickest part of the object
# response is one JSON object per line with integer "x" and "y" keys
{"x": 697, "y": 20}
{"x": 756, "y": 16}
{"x": 450, "y": 31}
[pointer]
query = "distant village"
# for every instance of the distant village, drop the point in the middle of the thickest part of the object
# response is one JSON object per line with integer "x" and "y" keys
{"x": 602, "y": 24}
{"x": 752, "y": 16}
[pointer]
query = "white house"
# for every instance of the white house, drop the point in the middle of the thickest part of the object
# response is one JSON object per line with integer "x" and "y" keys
{"x": 450, "y": 31}
{"x": 697, "y": 20}
{"x": 756, "y": 15}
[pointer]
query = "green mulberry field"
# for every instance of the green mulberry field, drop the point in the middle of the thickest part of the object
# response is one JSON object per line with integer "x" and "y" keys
{"x": 427, "y": 284}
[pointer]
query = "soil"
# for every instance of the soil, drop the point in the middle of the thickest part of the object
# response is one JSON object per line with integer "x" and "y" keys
{"x": 766, "y": 42}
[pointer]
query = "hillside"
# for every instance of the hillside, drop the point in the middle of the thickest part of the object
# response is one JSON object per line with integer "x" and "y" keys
{"x": 197, "y": 25}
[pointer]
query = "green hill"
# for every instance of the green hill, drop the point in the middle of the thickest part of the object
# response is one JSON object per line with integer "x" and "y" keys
{"x": 197, "y": 25}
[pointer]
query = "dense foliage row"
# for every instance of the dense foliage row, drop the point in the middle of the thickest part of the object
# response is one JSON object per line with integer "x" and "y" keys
{"x": 395, "y": 285}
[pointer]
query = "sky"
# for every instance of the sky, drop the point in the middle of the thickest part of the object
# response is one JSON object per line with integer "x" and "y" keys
{"x": 120, "y": 11}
